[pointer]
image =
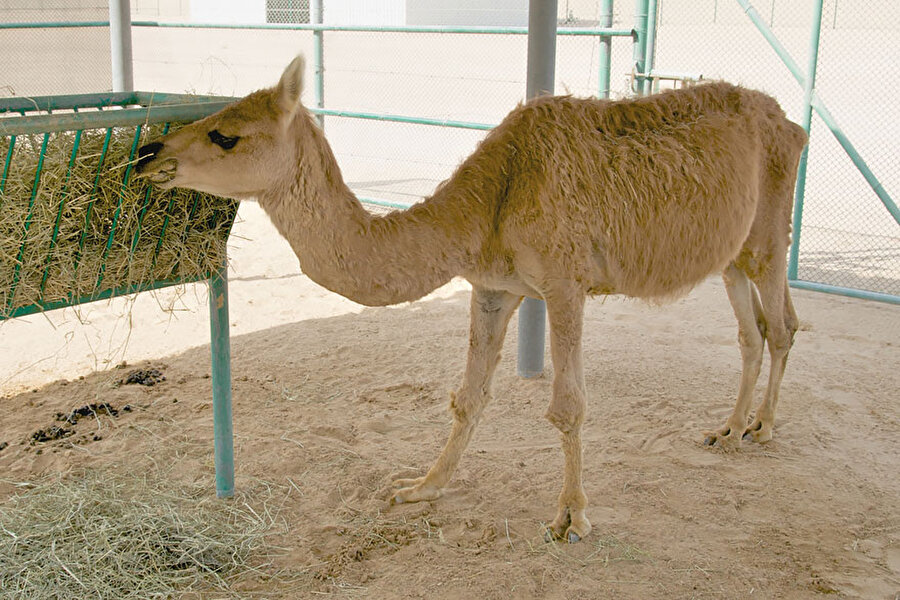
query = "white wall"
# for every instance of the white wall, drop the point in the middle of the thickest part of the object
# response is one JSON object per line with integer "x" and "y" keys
{"x": 467, "y": 12}
{"x": 228, "y": 11}
{"x": 364, "y": 12}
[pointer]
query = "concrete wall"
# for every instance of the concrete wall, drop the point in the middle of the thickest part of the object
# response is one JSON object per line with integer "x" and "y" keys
{"x": 467, "y": 12}
{"x": 228, "y": 11}
{"x": 364, "y": 12}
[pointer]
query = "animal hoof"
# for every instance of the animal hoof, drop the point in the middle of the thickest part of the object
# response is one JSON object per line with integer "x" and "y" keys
{"x": 709, "y": 440}
{"x": 573, "y": 538}
{"x": 396, "y": 500}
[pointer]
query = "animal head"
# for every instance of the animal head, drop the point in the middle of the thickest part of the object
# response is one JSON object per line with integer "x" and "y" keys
{"x": 237, "y": 152}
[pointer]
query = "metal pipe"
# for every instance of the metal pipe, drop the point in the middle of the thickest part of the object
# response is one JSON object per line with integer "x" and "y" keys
{"x": 650, "y": 84}
{"x": 540, "y": 77}
{"x": 606, "y": 17}
{"x": 576, "y": 31}
{"x": 220, "y": 351}
{"x": 639, "y": 47}
{"x": 316, "y": 16}
{"x": 400, "y": 119}
{"x": 809, "y": 86}
{"x": 120, "y": 45}
{"x": 843, "y": 291}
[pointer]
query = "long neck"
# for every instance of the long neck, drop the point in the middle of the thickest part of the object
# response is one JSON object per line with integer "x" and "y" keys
{"x": 373, "y": 260}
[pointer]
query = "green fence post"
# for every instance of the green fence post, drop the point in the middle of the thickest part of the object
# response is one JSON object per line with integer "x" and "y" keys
{"x": 606, "y": 18}
{"x": 639, "y": 47}
{"x": 809, "y": 86}
{"x": 220, "y": 349}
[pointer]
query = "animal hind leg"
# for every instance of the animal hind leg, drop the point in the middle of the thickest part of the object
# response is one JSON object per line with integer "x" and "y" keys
{"x": 783, "y": 324}
{"x": 490, "y": 314}
{"x": 751, "y": 333}
{"x": 565, "y": 308}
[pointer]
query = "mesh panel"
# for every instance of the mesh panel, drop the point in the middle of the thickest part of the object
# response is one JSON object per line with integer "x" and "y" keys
{"x": 69, "y": 60}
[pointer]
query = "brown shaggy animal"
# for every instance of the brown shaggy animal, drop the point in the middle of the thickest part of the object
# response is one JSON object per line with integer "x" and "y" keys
{"x": 566, "y": 198}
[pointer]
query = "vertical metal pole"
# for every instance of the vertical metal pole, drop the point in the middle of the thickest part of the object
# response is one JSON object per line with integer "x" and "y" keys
{"x": 650, "y": 45}
{"x": 809, "y": 86}
{"x": 316, "y": 16}
{"x": 606, "y": 19}
{"x": 541, "y": 73}
{"x": 639, "y": 45}
{"x": 120, "y": 45}
{"x": 220, "y": 349}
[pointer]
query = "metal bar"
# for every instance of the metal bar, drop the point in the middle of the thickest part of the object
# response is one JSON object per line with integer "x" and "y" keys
{"x": 809, "y": 86}
{"x": 576, "y": 31}
{"x": 316, "y": 14}
{"x": 650, "y": 46}
{"x": 54, "y": 24}
{"x": 853, "y": 293}
{"x": 401, "y": 119}
{"x": 100, "y": 101}
{"x": 128, "y": 117}
{"x": 62, "y": 204}
{"x": 385, "y": 203}
{"x": 28, "y": 217}
{"x": 6, "y": 163}
{"x": 115, "y": 219}
{"x": 220, "y": 353}
{"x": 101, "y": 295}
{"x": 144, "y": 206}
{"x": 540, "y": 79}
{"x": 605, "y": 58}
{"x": 120, "y": 45}
{"x": 90, "y": 207}
{"x": 639, "y": 45}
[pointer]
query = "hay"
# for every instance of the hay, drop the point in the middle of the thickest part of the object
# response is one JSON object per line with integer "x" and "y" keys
{"x": 114, "y": 230}
{"x": 109, "y": 536}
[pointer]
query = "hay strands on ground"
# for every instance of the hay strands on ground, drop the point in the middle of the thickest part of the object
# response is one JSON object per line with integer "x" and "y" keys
{"x": 103, "y": 535}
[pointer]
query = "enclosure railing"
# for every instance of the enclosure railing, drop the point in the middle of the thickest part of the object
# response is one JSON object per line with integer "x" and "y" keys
{"x": 811, "y": 101}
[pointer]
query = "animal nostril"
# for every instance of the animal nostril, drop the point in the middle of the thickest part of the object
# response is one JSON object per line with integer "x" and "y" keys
{"x": 147, "y": 153}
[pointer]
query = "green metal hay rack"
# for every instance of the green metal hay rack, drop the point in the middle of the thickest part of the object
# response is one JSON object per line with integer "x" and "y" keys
{"x": 34, "y": 245}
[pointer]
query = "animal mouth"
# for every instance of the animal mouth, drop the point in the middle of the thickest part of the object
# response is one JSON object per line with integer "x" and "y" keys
{"x": 163, "y": 173}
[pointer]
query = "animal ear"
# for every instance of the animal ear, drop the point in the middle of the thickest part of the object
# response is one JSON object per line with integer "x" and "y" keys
{"x": 291, "y": 84}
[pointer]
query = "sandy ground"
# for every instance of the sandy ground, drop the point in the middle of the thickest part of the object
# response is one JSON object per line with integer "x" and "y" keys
{"x": 332, "y": 400}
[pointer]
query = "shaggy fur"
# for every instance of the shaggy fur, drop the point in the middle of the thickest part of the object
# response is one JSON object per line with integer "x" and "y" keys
{"x": 565, "y": 198}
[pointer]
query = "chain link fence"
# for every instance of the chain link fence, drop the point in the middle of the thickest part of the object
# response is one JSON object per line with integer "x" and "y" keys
{"x": 848, "y": 238}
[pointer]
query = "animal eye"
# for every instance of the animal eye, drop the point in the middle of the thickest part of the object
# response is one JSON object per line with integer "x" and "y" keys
{"x": 225, "y": 142}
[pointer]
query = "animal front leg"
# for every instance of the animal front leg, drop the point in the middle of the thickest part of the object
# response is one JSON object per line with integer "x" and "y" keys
{"x": 565, "y": 307}
{"x": 751, "y": 333}
{"x": 490, "y": 314}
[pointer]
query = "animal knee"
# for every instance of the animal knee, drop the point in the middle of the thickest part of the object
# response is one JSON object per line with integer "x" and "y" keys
{"x": 566, "y": 413}
{"x": 467, "y": 406}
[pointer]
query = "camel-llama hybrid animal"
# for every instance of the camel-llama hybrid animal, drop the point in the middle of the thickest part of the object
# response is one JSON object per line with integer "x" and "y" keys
{"x": 566, "y": 198}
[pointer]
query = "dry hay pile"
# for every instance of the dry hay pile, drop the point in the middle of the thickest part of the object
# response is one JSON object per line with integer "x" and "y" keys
{"x": 101, "y": 535}
{"x": 91, "y": 225}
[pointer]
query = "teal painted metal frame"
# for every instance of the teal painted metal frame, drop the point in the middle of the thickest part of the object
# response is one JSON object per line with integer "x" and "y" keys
{"x": 146, "y": 108}
{"x": 812, "y": 101}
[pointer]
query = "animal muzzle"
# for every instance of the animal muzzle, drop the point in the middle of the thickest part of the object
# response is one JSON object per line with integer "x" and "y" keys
{"x": 160, "y": 172}
{"x": 146, "y": 154}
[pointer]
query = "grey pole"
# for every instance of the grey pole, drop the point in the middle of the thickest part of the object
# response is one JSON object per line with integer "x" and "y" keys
{"x": 539, "y": 80}
{"x": 316, "y": 15}
{"x": 120, "y": 45}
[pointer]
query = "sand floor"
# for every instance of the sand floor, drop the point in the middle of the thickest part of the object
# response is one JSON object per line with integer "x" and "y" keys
{"x": 331, "y": 401}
